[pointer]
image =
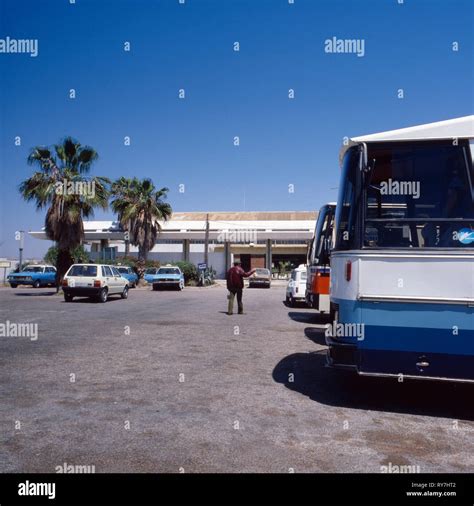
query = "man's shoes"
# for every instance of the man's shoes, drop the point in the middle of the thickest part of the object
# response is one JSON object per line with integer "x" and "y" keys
{"x": 241, "y": 312}
{"x": 230, "y": 314}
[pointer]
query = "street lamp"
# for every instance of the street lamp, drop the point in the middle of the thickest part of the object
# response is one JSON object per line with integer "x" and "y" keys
{"x": 19, "y": 236}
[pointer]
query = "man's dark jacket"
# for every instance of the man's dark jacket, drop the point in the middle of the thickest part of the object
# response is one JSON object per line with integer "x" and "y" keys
{"x": 235, "y": 278}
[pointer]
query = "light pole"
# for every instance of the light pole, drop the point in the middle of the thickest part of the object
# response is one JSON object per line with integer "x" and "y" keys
{"x": 19, "y": 236}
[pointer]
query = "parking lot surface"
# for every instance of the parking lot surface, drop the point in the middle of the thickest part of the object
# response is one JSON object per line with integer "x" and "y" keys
{"x": 167, "y": 382}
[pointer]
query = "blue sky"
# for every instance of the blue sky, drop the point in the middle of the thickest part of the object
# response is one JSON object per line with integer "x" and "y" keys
{"x": 228, "y": 93}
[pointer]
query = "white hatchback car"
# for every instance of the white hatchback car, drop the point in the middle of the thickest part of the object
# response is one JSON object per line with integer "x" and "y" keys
{"x": 95, "y": 281}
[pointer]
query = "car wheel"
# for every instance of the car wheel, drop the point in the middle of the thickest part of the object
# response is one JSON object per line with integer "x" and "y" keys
{"x": 291, "y": 301}
{"x": 13, "y": 285}
{"x": 36, "y": 284}
{"x": 124, "y": 294}
{"x": 155, "y": 288}
{"x": 68, "y": 297}
{"x": 103, "y": 295}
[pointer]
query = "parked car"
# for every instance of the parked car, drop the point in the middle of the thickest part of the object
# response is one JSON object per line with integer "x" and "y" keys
{"x": 296, "y": 288}
{"x": 34, "y": 275}
{"x": 150, "y": 274}
{"x": 168, "y": 276}
{"x": 261, "y": 278}
{"x": 129, "y": 274}
{"x": 94, "y": 281}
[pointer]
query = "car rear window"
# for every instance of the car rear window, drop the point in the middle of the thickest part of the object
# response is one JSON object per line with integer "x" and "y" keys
{"x": 263, "y": 272}
{"x": 83, "y": 270}
{"x": 169, "y": 270}
{"x": 123, "y": 270}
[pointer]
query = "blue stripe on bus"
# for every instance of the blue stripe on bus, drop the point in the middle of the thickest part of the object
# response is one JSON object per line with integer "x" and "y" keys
{"x": 417, "y": 339}
{"x": 438, "y": 328}
{"x": 441, "y": 365}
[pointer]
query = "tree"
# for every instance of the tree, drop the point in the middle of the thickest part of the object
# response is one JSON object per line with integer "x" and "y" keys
{"x": 142, "y": 207}
{"x": 119, "y": 191}
{"x": 61, "y": 186}
{"x": 79, "y": 255}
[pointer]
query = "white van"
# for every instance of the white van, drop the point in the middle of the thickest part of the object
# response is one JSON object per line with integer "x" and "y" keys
{"x": 296, "y": 288}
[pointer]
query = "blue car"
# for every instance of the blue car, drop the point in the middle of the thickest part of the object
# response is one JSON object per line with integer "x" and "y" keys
{"x": 130, "y": 275}
{"x": 169, "y": 276}
{"x": 33, "y": 275}
{"x": 150, "y": 274}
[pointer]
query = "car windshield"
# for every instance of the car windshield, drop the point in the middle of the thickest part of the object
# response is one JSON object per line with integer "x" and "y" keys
{"x": 33, "y": 269}
{"x": 123, "y": 270}
{"x": 168, "y": 270}
{"x": 150, "y": 271}
{"x": 263, "y": 272}
{"x": 83, "y": 270}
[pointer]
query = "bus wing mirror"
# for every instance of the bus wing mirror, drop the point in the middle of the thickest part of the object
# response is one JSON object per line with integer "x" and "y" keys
{"x": 363, "y": 157}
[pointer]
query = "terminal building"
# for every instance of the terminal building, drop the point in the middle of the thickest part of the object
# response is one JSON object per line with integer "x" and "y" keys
{"x": 257, "y": 239}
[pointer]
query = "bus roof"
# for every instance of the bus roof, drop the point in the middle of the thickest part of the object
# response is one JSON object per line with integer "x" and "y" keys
{"x": 449, "y": 129}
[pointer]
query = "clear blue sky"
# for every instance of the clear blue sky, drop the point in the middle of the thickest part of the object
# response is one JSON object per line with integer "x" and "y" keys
{"x": 228, "y": 93}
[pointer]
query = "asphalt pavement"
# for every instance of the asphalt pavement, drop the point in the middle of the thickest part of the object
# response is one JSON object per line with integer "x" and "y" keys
{"x": 168, "y": 382}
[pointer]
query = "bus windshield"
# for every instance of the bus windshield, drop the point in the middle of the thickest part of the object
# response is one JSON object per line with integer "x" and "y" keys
{"x": 321, "y": 243}
{"x": 419, "y": 195}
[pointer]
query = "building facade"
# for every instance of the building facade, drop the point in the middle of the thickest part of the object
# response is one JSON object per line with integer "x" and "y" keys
{"x": 257, "y": 239}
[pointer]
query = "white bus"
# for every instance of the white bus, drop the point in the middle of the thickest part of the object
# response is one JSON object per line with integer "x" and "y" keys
{"x": 402, "y": 268}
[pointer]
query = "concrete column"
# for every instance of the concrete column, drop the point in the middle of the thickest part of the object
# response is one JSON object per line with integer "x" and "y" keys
{"x": 104, "y": 243}
{"x": 186, "y": 249}
{"x": 227, "y": 255}
{"x": 268, "y": 255}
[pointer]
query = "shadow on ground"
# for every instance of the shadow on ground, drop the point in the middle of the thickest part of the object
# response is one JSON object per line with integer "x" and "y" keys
{"x": 93, "y": 300}
{"x": 36, "y": 294}
{"x": 316, "y": 334}
{"x": 347, "y": 390}
{"x": 311, "y": 316}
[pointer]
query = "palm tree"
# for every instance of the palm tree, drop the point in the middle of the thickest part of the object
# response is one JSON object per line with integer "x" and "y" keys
{"x": 65, "y": 164}
{"x": 141, "y": 207}
{"x": 119, "y": 191}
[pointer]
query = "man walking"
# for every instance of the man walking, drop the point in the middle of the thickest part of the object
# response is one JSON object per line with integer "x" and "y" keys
{"x": 235, "y": 284}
